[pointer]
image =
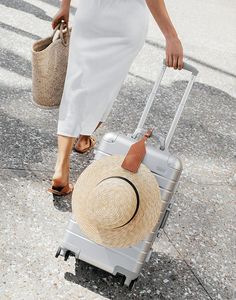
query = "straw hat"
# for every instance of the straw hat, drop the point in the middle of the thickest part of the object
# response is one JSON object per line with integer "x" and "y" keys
{"x": 113, "y": 206}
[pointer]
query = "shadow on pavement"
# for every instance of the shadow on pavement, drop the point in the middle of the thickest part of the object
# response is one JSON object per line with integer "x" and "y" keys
{"x": 27, "y": 8}
{"x": 194, "y": 60}
{"x": 56, "y": 3}
{"x": 163, "y": 277}
{"x": 16, "y": 63}
{"x": 33, "y": 9}
{"x": 204, "y": 131}
{"x": 19, "y": 31}
{"x": 62, "y": 203}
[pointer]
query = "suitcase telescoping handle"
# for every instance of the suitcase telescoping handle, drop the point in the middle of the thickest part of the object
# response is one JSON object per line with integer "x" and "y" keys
{"x": 165, "y": 142}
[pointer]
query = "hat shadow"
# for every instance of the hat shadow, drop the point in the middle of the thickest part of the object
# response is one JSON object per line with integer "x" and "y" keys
{"x": 163, "y": 277}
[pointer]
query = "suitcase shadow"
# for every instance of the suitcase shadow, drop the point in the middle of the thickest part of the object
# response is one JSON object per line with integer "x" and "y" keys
{"x": 163, "y": 277}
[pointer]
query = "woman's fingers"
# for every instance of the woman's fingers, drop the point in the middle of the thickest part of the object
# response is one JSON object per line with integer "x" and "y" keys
{"x": 53, "y": 24}
{"x": 180, "y": 62}
{"x": 55, "y": 21}
{"x": 175, "y": 61}
{"x": 61, "y": 15}
{"x": 169, "y": 60}
{"x": 174, "y": 53}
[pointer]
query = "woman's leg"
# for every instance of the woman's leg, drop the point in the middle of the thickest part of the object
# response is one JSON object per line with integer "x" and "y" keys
{"x": 65, "y": 145}
{"x": 62, "y": 167}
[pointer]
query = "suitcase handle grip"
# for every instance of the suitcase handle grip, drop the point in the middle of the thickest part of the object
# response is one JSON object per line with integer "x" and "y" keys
{"x": 186, "y": 67}
{"x": 167, "y": 140}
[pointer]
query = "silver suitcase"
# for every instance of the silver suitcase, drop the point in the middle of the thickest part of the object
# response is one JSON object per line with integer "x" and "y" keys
{"x": 166, "y": 167}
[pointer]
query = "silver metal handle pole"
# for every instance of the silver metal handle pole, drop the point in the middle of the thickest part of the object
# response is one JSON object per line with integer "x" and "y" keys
{"x": 150, "y": 101}
{"x": 179, "y": 112}
{"x": 165, "y": 142}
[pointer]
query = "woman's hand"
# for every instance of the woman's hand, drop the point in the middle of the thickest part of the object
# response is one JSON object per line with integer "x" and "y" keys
{"x": 62, "y": 14}
{"x": 174, "y": 49}
{"x": 174, "y": 53}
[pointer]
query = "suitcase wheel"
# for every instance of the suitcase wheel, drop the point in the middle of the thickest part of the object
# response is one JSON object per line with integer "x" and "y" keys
{"x": 58, "y": 252}
{"x": 132, "y": 283}
{"x": 121, "y": 279}
{"x": 67, "y": 255}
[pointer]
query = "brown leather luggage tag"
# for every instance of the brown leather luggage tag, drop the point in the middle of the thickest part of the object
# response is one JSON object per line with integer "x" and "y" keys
{"x": 136, "y": 154}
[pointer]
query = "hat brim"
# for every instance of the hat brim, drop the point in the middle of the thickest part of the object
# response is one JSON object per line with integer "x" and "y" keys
{"x": 147, "y": 214}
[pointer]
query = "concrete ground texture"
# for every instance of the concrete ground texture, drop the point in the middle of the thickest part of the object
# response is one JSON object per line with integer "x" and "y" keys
{"x": 195, "y": 256}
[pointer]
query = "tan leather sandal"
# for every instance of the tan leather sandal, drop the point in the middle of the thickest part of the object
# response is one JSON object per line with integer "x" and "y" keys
{"x": 92, "y": 142}
{"x": 58, "y": 190}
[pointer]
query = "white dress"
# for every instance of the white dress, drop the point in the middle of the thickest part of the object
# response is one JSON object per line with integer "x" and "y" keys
{"x": 106, "y": 37}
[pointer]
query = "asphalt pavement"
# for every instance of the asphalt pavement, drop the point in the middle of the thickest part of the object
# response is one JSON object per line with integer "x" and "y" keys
{"x": 195, "y": 256}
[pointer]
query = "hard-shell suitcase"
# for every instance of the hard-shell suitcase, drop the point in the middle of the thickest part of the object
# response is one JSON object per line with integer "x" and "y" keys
{"x": 166, "y": 167}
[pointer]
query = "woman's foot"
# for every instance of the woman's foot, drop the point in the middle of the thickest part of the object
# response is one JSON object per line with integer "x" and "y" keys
{"x": 60, "y": 178}
{"x": 60, "y": 190}
{"x": 84, "y": 143}
{"x": 60, "y": 181}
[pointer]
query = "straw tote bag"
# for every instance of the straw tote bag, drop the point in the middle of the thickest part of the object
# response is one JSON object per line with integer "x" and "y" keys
{"x": 49, "y": 65}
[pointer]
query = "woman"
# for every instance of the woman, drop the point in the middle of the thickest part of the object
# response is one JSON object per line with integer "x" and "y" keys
{"x": 106, "y": 37}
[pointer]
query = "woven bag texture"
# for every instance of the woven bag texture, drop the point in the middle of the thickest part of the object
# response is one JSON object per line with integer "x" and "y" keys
{"x": 49, "y": 65}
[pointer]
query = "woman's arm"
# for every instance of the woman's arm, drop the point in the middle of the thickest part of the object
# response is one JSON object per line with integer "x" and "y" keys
{"x": 65, "y": 3}
{"x": 62, "y": 14}
{"x": 174, "y": 49}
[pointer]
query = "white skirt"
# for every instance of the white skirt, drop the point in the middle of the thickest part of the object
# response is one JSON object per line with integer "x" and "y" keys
{"x": 106, "y": 37}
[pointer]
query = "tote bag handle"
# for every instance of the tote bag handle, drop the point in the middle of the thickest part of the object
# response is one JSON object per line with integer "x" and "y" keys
{"x": 64, "y": 32}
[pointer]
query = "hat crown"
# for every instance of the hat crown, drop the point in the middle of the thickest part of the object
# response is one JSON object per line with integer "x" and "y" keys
{"x": 143, "y": 193}
{"x": 112, "y": 203}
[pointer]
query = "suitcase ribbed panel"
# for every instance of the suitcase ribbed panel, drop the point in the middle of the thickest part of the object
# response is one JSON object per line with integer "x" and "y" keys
{"x": 108, "y": 259}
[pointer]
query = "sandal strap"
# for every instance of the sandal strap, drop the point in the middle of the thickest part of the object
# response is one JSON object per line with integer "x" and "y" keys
{"x": 60, "y": 191}
{"x": 92, "y": 142}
